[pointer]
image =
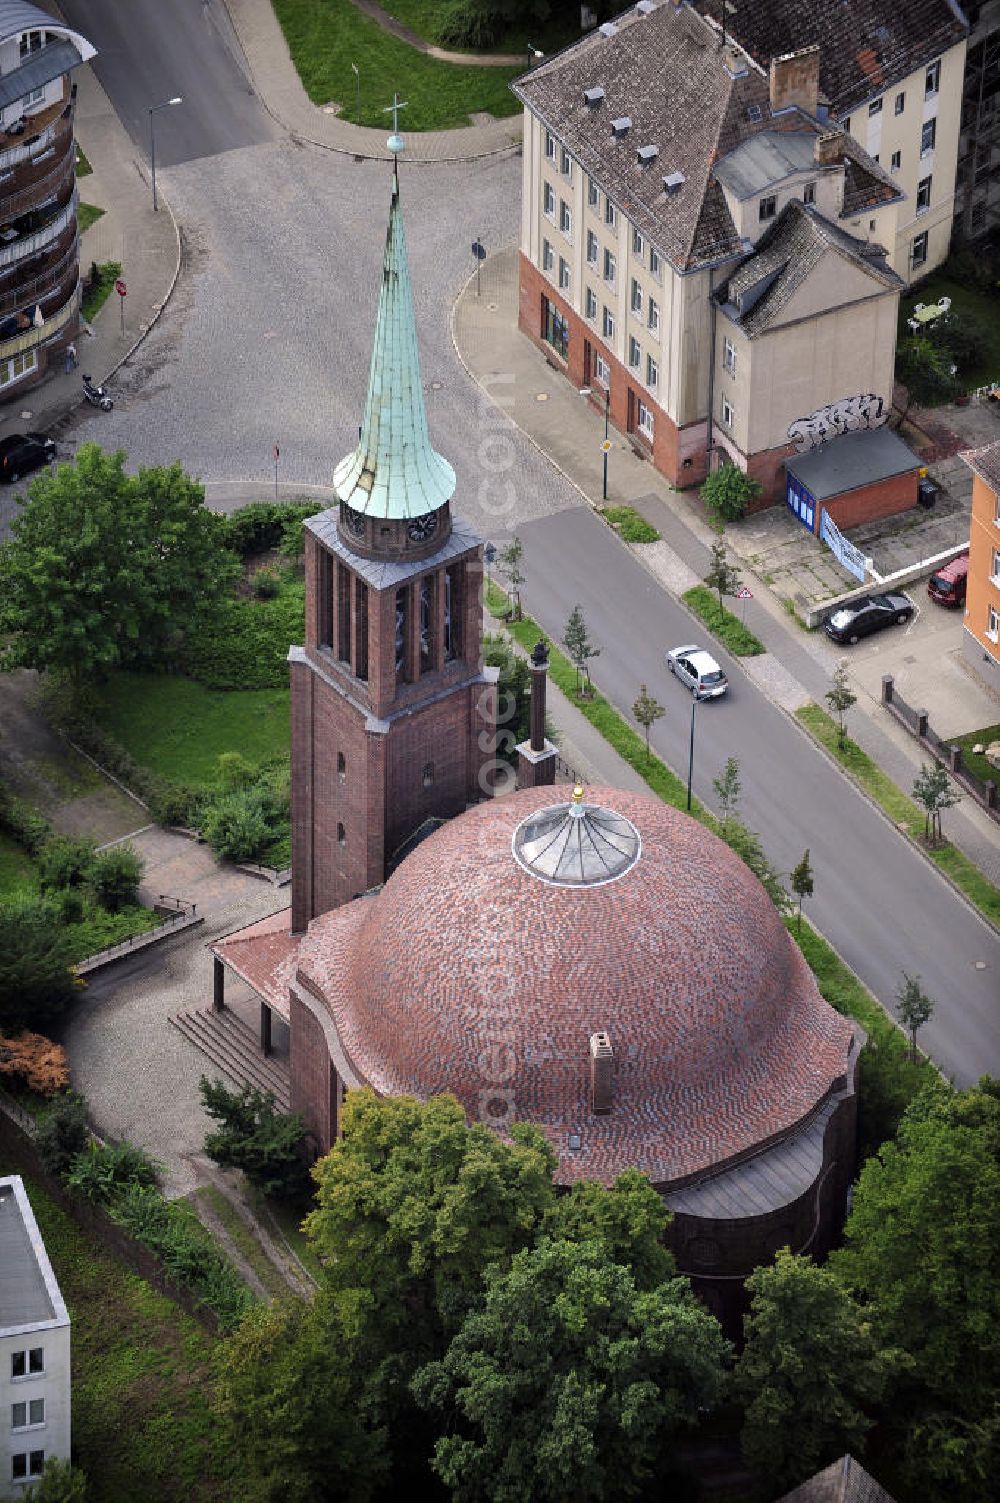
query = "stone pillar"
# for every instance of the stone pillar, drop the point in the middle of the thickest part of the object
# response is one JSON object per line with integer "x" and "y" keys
{"x": 218, "y": 985}
{"x": 887, "y": 683}
{"x": 536, "y": 758}
{"x": 265, "y": 1028}
{"x": 954, "y": 759}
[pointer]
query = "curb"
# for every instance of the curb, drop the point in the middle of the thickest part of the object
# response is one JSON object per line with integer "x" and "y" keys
{"x": 166, "y": 297}
{"x": 366, "y": 156}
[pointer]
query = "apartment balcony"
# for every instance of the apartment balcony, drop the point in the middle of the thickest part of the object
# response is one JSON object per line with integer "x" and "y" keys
{"x": 35, "y": 190}
{"x": 48, "y": 129}
{"x": 39, "y": 334}
{"x": 35, "y": 230}
{"x": 27, "y": 292}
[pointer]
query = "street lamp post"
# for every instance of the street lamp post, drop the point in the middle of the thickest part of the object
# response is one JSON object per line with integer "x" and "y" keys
{"x": 152, "y": 140}
{"x": 694, "y": 706}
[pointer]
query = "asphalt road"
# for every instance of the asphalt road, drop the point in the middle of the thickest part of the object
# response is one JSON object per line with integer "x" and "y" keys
{"x": 148, "y": 51}
{"x": 882, "y": 906}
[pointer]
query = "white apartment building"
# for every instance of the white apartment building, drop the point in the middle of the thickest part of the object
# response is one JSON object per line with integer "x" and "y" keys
{"x": 34, "y": 1348}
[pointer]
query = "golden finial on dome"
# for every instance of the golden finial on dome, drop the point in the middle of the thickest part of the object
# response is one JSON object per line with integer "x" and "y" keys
{"x": 578, "y": 793}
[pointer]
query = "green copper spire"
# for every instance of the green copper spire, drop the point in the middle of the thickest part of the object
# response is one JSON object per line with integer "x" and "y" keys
{"x": 394, "y": 472}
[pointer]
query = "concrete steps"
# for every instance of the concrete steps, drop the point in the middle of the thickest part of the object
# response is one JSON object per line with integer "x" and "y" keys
{"x": 234, "y": 1049}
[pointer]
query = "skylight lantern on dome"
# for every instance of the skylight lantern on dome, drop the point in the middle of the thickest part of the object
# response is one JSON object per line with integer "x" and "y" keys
{"x": 394, "y": 489}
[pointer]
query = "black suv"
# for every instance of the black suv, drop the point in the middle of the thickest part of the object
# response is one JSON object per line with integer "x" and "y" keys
{"x": 22, "y": 452}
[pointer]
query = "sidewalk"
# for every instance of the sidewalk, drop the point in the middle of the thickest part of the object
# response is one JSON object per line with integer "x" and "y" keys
{"x": 147, "y": 246}
{"x": 796, "y": 668}
{"x": 279, "y": 89}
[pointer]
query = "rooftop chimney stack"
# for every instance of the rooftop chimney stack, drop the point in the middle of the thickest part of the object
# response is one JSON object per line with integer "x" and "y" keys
{"x": 536, "y": 758}
{"x": 795, "y": 81}
{"x": 828, "y": 150}
{"x": 602, "y": 1065}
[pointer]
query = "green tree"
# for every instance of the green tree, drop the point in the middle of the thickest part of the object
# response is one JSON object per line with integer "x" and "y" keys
{"x": 37, "y": 983}
{"x": 934, "y": 791}
{"x": 925, "y": 371}
{"x": 913, "y": 1008}
{"x": 749, "y": 847}
{"x": 628, "y": 1220}
{"x": 840, "y": 697}
{"x": 115, "y": 875}
{"x": 63, "y": 862}
{"x": 236, "y": 825}
{"x": 728, "y": 492}
{"x": 513, "y": 696}
{"x": 802, "y": 884}
{"x": 647, "y": 710}
{"x": 268, "y": 1145}
{"x": 106, "y": 569}
{"x": 510, "y": 564}
{"x": 722, "y": 576}
{"x": 808, "y": 1372}
{"x": 569, "y": 1382}
{"x": 63, "y": 1132}
{"x": 576, "y": 640}
{"x": 61, "y": 1483}
{"x": 728, "y": 788}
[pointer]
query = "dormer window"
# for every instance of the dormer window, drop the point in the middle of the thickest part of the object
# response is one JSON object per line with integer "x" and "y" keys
{"x": 768, "y": 207}
{"x": 621, "y": 126}
{"x": 593, "y": 97}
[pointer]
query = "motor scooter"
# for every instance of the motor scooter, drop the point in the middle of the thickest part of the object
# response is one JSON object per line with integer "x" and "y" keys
{"x": 96, "y": 395}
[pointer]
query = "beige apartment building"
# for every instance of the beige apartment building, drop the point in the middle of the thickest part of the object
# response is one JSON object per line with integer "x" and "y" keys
{"x": 891, "y": 73}
{"x": 702, "y": 249}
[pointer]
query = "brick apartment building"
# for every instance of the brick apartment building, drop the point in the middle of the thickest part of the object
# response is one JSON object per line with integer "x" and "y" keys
{"x": 39, "y": 237}
{"x": 981, "y": 637}
{"x": 703, "y": 248}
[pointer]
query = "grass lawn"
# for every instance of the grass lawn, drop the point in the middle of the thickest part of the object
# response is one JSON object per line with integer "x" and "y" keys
{"x": 904, "y": 812}
{"x": 86, "y": 215}
{"x": 424, "y": 16}
{"x": 629, "y": 525}
{"x": 17, "y": 877}
{"x": 142, "y": 1426}
{"x": 326, "y": 36}
{"x": 83, "y": 167}
{"x": 179, "y": 729}
{"x": 975, "y": 761}
{"x": 983, "y": 307}
{"x": 95, "y": 299}
{"x": 722, "y": 623}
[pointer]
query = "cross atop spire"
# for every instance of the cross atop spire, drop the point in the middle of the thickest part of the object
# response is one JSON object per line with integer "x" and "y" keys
{"x": 395, "y": 143}
{"x": 394, "y": 472}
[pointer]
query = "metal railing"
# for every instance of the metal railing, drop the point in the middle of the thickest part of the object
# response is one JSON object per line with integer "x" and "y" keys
{"x": 36, "y": 240}
{"x": 38, "y": 334}
{"x": 26, "y": 294}
{"x": 13, "y": 203}
{"x": 179, "y": 920}
{"x": 24, "y": 150}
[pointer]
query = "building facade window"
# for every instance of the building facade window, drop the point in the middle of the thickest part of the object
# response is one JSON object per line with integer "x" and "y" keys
{"x": 565, "y": 217}
{"x": 634, "y": 352}
{"x": 32, "y": 41}
{"x": 644, "y": 420}
{"x": 768, "y": 207}
{"x": 26, "y": 1464}
{"x": 27, "y": 1364}
{"x": 919, "y": 250}
{"x": 992, "y": 623}
{"x": 846, "y": 124}
{"x": 550, "y": 146}
{"x": 809, "y": 193}
{"x": 590, "y": 303}
{"x": 932, "y": 80}
{"x": 637, "y": 243}
{"x": 996, "y": 566}
{"x": 652, "y": 373}
{"x": 25, "y": 1415}
{"x": 896, "y": 161}
{"x": 923, "y": 195}
{"x": 602, "y": 371}
{"x": 592, "y": 248}
{"x": 654, "y": 263}
{"x": 18, "y": 366}
{"x": 555, "y": 329}
{"x": 341, "y": 768}
{"x": 548, "y": 256}
{"x": 608, "y": 323}
{"x": 565, "y": 163}
{"x": 564, "y": 277}
{"x": 900, "y": 103}
{"x": 610, "y": 214}
{"x": 635, "y": 298}
{"x": 875, "y": 108}
{"x": 928, "y": 136}
{"x": 609, "y": 267}
{"x": 729, "y": 356}
{"x": 427, "y": 777}
{"x": 549, "y": 200}
{"x": 728, "y": 412}
{"x": 653, "y": 316}
{"x": 593, "y": 194}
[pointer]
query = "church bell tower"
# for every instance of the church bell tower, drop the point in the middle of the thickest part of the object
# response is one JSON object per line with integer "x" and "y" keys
{"x": 393, "y": 718}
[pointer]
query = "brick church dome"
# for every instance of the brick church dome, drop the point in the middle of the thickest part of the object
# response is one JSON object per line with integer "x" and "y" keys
{"x": 480, "y": 970}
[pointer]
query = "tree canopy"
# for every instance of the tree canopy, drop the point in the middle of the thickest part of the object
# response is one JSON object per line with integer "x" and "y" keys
{"x": 36, "y": 981}
{"x": 105, "y": 569}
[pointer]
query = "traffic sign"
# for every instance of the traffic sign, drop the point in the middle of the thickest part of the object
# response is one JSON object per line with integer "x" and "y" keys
{"x": 744, "y": 594}
{"x": 120, "y": 287}
{"x": 606, "y": 446}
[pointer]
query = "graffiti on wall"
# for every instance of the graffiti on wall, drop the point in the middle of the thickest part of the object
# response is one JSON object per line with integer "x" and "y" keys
{"x": 845, "y": 416}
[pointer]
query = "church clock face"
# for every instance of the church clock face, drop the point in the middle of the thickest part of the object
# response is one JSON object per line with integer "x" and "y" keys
{"x": 420, "y": 529}
{"x": 355, "y": 522}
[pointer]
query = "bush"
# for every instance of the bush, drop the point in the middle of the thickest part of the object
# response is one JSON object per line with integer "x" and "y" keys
{"x": 925, "y": 371}
{"x": 36, "y": 982}
{"x": 470, "y": 23}
{"x": 175, "y": 804}
{"x": 236, "y": 825}
{"x": 728, "y": 492}
{"x": 62, "y": 1482}
{"x": 246, "y": 647}
{"x": 103, "y": 1170}
{"x": 68, "y": 905}
{"x": 260, "y": 527}
{"x": 268, "y": 1145}
{"x": 962, "y": 337}
{"x": 63, "y": 862}
{"x": 63, "y": 1133}
{"x": 39, "y": 1064}
{"x": 970, "y": 269}
{"x": 18, "y": 820}
{"x": 266, "y": 584}
{"x": 114, "y": 877}
{"x": 235, "y": 772}
{"x": 630, "y": 526}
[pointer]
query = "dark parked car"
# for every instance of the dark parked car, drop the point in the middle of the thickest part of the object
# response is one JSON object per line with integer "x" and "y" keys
{"x": 867, "y": 614}
{"x": 22, "y": 452}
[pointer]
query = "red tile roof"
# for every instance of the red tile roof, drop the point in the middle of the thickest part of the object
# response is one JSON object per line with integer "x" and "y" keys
{"x": 263, "y": 955}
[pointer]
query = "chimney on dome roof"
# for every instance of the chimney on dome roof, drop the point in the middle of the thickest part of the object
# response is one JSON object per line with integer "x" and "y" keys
{"x": 536, "y": 757}
{"x": 602, "y": 1066}
{"x": 794, "y": 81}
